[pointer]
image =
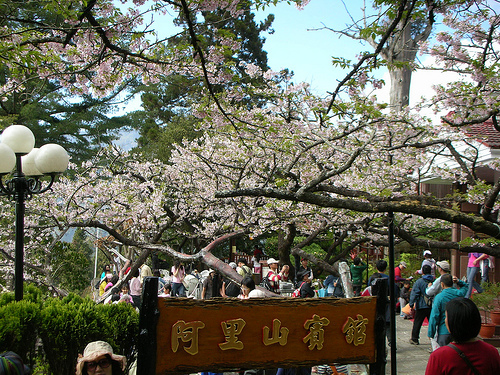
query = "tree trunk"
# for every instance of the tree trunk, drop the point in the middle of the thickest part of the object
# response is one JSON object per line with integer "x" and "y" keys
{"x": 285, "y": 242}
{"x": 400, "y": 88}
{"x": 345, "y": 276}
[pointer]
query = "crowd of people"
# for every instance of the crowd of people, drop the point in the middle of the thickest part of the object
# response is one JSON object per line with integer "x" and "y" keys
{"x": 436, "y": 296}
{"x": 426, "y": 298}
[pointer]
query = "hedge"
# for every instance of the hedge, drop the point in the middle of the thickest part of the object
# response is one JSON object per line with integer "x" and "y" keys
{"x": 49, "y": 333}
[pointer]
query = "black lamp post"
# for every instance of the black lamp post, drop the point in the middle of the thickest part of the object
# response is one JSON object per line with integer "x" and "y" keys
{"x": 17, "y": 153}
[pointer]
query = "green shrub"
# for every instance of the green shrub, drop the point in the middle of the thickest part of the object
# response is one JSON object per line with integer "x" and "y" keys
{"x": 61, "y": 328}
{"x": 19, "y": 328}
{"x": 120, "y": 324}
{"x": 66, "y": 327}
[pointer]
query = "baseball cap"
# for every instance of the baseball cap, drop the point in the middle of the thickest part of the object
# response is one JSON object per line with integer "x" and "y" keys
{"x": 444, "y": 265}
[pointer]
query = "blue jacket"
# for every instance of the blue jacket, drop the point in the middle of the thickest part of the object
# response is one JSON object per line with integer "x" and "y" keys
{"x": 418, "y": 292}
{"x": 332, "y": 290}
{"x": 438, "y": 316}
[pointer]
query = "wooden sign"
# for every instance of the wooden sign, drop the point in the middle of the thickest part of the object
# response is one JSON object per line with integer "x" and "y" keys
{"x": 230, "y": 334}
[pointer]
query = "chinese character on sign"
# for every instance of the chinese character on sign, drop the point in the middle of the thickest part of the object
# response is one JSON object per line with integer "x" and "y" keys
{"x": 231, "y": 329}
{"x": 280, "y": 335}
{"x": 186, "y": 332}
{"x": 355, "y": 330}
{"x": 316, "y": 335}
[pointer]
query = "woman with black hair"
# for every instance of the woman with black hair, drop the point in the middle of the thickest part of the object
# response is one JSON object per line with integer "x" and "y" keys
{"x": 247, "y": 285}
{"x": 466, "y": 354}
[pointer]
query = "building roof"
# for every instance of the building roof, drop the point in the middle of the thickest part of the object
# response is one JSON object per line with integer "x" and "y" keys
{"x": 485, "y": 137}
{"x": 485, "y": 133}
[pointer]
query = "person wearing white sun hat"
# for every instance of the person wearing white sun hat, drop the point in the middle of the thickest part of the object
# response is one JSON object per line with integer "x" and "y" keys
{"x": 98, "y": 358}
{"x": 273, "y": 275}
{"x": 443, "y": 268}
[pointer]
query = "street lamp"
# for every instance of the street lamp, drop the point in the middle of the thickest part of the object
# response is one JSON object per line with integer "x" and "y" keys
{"x": 17, "y": 151}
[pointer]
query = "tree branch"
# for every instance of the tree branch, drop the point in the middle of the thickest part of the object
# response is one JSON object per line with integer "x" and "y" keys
{"x": 410, "y": 206}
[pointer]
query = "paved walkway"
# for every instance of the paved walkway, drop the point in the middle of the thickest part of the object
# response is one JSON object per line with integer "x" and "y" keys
{"x": 410, "y": 359}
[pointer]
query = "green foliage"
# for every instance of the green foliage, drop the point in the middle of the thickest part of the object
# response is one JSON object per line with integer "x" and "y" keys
{"x": 487, "y": 300}
{"x": 65, "y": 326}
{"x": 73, "y": 263}
{"x": 120, "y": 324}
{"x": 271, "y": 248}
{"x": 79, "y": 123}
{"x": 19, "y": 326}
{"x": 413, "y": 263}
{"x": 489, "y": 241}
{"x": 167, "y": 119}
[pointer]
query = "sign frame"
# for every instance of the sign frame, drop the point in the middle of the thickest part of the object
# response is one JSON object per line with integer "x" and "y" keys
{"x": 179, "y": 335}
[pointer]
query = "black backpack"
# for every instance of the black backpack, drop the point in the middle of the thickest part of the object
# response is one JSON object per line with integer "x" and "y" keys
{"x": 265, "y": 283}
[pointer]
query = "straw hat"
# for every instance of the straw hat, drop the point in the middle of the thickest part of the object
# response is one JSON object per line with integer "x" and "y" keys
{"x": 96, "y": 349}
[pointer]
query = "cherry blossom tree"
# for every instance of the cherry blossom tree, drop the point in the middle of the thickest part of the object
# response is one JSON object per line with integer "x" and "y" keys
{"x": 297, "y": 163}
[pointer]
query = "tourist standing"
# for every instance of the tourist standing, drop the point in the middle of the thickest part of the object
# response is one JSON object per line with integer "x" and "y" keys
{"x": 418, "y": 303}
{"x": 438, "y": 312}
{"x": 178, "y": 274}
{"x": 472, "y": 271}
{"x": 357, "y": 269}
{"x": 428, "y": 260}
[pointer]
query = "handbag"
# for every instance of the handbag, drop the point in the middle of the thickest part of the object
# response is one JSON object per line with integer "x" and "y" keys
{"x": 322, "y": 292}
{"x": 406, "y": 309}
{"x": 464, "y": 357}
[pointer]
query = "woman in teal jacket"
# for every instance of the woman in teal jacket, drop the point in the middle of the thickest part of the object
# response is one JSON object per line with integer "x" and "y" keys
{"x": 438, "y": 315}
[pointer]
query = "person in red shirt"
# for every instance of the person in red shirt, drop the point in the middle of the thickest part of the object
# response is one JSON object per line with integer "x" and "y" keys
{"x": 464, "y": 322}
{"x": 398, "y": 278}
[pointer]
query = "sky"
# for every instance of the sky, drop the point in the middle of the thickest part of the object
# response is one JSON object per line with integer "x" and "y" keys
{"x": 302, "y": 44}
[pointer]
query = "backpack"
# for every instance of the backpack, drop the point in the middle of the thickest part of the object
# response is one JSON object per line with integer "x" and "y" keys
{"x": 296, "y": 292}
{"x": 265, "y": 283}
{"x": 246, "y": 271}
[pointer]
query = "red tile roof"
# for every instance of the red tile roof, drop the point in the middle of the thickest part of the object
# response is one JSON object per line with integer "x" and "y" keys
{"x": 484, "y": 133}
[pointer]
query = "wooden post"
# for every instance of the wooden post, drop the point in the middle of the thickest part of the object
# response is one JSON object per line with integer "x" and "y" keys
{"x": 148, "y": 319}
{"x": 380, "y": 290}
{"x": 392, "y": 294}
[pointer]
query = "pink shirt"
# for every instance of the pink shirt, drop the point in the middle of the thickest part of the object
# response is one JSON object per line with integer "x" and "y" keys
{"x": 135, "y": 287}
{"x": 180, "y": 275}
{"x": 472, "y": 258}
